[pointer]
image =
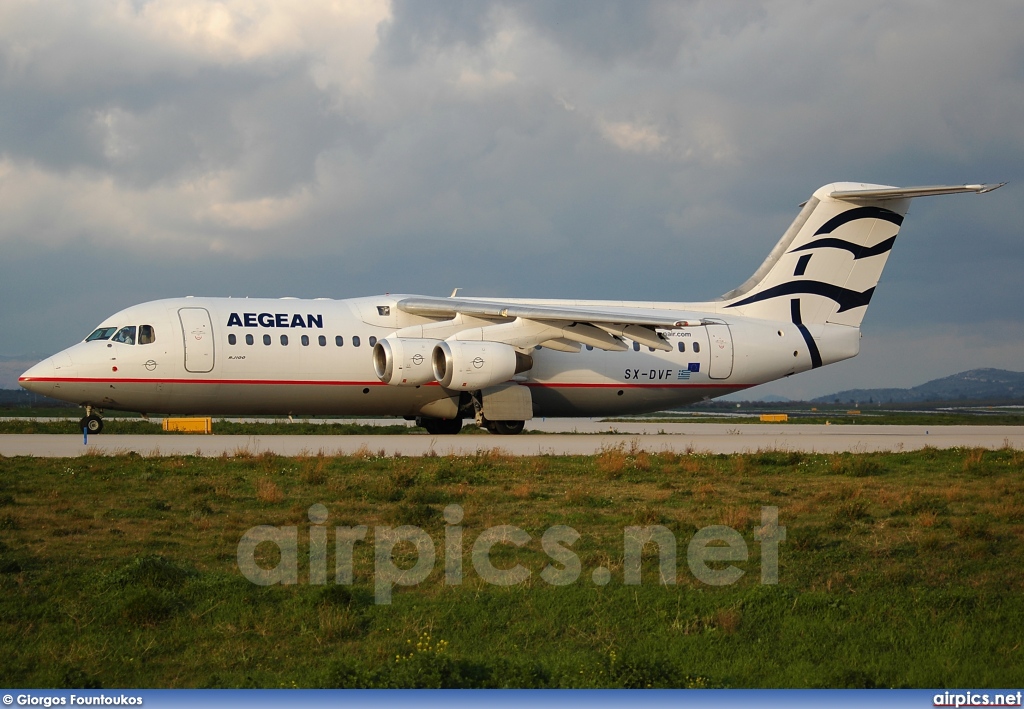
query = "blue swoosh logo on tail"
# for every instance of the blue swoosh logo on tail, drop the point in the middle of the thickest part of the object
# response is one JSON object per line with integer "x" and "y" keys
{"x": 846, "y": 298}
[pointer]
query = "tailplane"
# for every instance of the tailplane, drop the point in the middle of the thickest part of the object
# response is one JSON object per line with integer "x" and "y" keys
{"x": 827, "y": 264}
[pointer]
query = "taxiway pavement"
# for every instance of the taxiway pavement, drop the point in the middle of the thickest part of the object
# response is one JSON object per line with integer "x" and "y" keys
{"x": 550, "y": 437}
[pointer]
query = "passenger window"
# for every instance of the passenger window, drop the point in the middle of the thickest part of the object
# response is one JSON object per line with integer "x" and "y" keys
{"x": 266, "y": 339}
{"x": 232, "y": 339}
{"x": 696, "y": 347}
{"x": 636, "y": 346}
{"x": 248, "y": 339}
{"x": 682, "y": 346}
{"x": 284, "y": 339}
{"x": 126, "y": 335}
{"x": 305, "y": 340}
{"x": 103, "y": 333}
{"x": 322, "y": 340}
{"x": 339, "y": 340}
{"x": 355, "y": 340}
{"x": 373, "y": 340}
{"x": 147, "y": 335}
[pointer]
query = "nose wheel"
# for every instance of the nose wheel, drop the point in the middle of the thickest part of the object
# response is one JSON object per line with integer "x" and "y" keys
{"x": 91, "y": 423}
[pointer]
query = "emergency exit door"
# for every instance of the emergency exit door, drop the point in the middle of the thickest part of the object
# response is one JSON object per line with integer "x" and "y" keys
{"x": 198, "y": 333}
{"x": 720, "y": 344}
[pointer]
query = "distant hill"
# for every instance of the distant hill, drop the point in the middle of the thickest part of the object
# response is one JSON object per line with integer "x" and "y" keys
{"x": 974, "y": 385}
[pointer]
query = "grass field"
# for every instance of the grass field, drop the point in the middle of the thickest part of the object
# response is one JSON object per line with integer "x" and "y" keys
{"x": 136, "y": 426}
{"x": 866, "y": 418}
{"x": 902, "y": 570}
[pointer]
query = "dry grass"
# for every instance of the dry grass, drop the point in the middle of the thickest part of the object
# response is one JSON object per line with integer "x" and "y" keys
{"x": 314, "y": 471}
{"x": 268, "y": 491}
{"x": 363, "y": 453}
{"x": 705, "y": 491}
{"x": 1008, "y": 510}
{"x": 727, "y": 620}
{"x": 691, "y": 465}
{"x": 973, "y": 460}
{"x": 739, "y": 518}
{"x": 642, "y": 460}
{"x": 522, "y": 491}
{"x": 612, "y": 462}
{"x": 338, "y": 624}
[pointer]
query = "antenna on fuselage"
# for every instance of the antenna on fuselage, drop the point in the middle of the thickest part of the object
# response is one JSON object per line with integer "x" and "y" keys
{"x": 455, "y": 292}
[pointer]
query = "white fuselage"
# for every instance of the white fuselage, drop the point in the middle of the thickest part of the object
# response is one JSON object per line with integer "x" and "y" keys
{"x": 324, "y": 364}
{"x": 503, "y": 361}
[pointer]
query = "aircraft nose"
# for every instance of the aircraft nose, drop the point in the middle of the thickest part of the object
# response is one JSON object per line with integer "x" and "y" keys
{"x": 36, "y": 378}
{"x": 40, "y": 379}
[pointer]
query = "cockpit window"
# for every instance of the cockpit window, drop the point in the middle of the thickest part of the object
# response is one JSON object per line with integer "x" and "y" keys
{"x": 147, "y": 335}
{"x": 103, "y": 333}
{"x": 125, "y": 335}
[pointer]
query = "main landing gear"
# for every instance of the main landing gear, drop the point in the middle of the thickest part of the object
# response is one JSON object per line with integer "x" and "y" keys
{"x": 504, "y": 428}
{"x": 449, "y": 427}
{"x": 440, "y": 427}
{"x": 91, "y": 422}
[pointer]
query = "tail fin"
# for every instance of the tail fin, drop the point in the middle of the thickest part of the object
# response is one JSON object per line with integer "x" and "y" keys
{"x": 827, "y": 264}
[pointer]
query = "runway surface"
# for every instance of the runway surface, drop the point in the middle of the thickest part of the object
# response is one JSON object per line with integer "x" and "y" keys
{"x": 554, "y": 437}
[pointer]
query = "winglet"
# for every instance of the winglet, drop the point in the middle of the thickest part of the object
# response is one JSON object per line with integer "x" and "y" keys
{"x": 910, "y": 192}
{"x": 455, "y": 292}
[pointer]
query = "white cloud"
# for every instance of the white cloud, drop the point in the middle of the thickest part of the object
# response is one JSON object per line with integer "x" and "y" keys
{"x": 632, "y": 137}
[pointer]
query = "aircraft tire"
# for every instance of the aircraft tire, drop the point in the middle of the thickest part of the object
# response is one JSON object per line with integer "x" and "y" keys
{"x": 508, "y": 428}
{"x": 441, "y": 427}
{"x": 93, "y": 424}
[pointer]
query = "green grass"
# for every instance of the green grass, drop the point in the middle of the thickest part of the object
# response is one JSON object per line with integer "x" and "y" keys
{"x": 866, "y": 417}
{"x": 44, "y": 411}
{"x": 225, "y": 428}
{"x": 131, "y": 425}
{"x": 898, "y": 570}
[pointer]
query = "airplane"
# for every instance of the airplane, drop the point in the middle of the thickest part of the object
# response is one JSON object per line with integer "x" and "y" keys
{"x": 500, "y": 361}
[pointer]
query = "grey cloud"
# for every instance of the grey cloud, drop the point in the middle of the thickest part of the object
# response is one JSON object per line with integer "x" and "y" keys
{"x": 650, "y": 32}
{"x": 269, "y": 128}
{"x": 416, "y": 27}
{"x": 620, "y": 150}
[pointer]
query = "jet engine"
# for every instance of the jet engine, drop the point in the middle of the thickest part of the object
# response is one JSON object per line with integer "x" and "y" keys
{"x": 467, "y": 366}
{"x": 403, "y": 361}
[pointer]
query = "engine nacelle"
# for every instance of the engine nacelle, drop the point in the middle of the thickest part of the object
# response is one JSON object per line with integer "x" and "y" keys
{"x": 467, "y": 366}
{"x": 403, "y": 361}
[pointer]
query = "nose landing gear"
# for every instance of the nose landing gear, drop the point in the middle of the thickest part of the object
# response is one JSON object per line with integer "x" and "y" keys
{"x": 91, "y": 422}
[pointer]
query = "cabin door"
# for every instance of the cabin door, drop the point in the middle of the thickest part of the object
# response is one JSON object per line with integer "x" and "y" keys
{"x": 197, "y": 330}
{"x": 720, "y": 344}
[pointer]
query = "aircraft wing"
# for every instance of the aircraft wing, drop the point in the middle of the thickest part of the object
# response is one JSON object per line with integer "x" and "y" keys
{"x": 558, "y": 327}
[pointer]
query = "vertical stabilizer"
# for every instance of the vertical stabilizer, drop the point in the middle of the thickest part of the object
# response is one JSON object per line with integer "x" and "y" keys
{"x": 827, "y": 264}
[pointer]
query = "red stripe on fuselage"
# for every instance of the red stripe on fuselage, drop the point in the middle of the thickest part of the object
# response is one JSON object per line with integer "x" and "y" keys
{"x": 319, "y": 382}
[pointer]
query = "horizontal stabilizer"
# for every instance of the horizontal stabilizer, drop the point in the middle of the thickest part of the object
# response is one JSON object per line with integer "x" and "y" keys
{"x": 876, "y": 194}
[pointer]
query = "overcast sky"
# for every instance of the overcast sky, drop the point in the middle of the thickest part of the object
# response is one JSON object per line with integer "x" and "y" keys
{"x": 595, "y": 149}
